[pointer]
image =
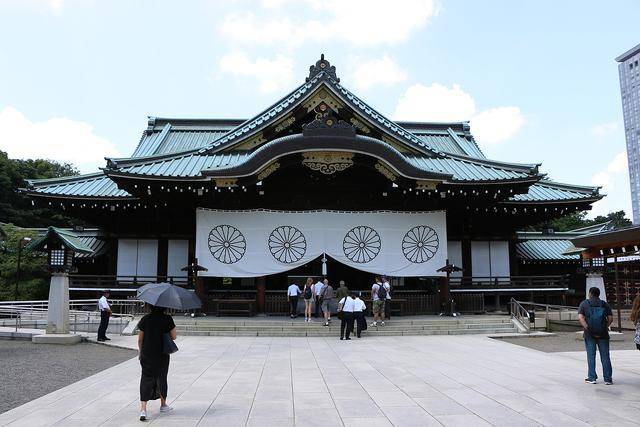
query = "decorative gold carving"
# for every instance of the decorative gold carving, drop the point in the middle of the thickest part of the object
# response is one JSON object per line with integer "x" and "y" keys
{"x": 426, "y": 184}
{"x": 285, "y": 124}
{"x": 251, "y": 142}
{"x": 360, "y": 125}
{"x": 268, "y": 170}
{"x": 226, "y": 182}
{"x": 323, "y": 96}
{"x": 386, "y": 171}
{"x": 327, "y": 162}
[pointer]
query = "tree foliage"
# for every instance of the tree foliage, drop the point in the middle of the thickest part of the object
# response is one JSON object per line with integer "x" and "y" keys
{"x": 17, "y": 208}
{"x": 580, "y": 220}
{"x": 33, "y": 267}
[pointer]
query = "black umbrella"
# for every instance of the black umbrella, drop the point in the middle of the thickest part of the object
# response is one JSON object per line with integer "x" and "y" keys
{"x": 169, "y": 296}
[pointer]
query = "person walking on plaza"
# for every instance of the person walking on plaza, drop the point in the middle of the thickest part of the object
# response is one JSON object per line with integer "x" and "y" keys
{"x": 105, "y": 313}
{"x": 595, "y": 316}
{"x": 342, "y": 291}
{"x": 153, "y": 360}
{"x": 327, "y": 297}
{"x": 347, "y": 307}
{"x": 635, "y": 319}
{"x": 387, "y": 301}
{"x": 308, "y": 293}
{"x": 318, "y": 288}
{"x": 358, "y": 316}
{"x": 292, "y": 296}
{"x": 378, "y": 296}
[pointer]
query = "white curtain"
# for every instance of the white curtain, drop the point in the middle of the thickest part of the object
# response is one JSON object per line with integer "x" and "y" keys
{"x": 490, "y": 258}
{"x": 137, "y": 258}
{"x": 177, "y": 257}
{"x": 258, "y": 243}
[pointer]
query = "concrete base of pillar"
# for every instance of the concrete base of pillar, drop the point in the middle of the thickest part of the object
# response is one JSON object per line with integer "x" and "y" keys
{"x": 63, "y": 339}
{"x": 58, "y": 312}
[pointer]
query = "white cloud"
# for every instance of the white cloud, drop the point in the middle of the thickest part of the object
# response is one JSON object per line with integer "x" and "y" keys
{"x": 605, "y": 129}
{"x": 614, "y": 180}
{"x": 438, "y": 103}
{"x": 495, "y": 125}
{"x": 383, "y": 71}
{"x": 358, "y": 22}
{"x": 271, "y": 74}
{"x": 57, "y": 138}
{"x": 435, "y": 103}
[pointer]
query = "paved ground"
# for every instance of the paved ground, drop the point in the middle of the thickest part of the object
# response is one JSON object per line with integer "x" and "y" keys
{"x": 565, "y": 341}
{"x": 33, "y": 370}
{"x": 381, "y": 381}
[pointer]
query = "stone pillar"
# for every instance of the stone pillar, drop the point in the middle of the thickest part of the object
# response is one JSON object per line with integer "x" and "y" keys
{"x": 58, "y": 313}
{"x": 595, "y": 280}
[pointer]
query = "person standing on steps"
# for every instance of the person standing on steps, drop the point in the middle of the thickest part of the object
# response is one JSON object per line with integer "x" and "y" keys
{"x": 378, "y": 296}
{"x": 308, "y": 293}
{"x": 347, "y": 307}
{"x": 342, "y": 291}
{"x": 318, "y": 302}
{"x": 105, "y": 313}
{"x": 387, "y": 301}
{"x": 292, "y": 296}
{"x": 327, "y": 296}
{"x": 595, "y": 316}
{"x": 358, "y": 316}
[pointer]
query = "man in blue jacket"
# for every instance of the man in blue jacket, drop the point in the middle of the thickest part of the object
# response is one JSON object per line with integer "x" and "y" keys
{"x": 595, "y": 316}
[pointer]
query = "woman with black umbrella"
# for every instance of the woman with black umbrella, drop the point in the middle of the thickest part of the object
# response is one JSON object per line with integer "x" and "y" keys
{"x": 153, "y": 358}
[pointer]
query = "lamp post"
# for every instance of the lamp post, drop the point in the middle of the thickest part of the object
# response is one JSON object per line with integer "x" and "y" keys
{"x": 22, "y": 243}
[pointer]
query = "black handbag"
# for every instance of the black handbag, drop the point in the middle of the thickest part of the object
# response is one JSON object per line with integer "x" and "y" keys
{"x": 168, "y": 345}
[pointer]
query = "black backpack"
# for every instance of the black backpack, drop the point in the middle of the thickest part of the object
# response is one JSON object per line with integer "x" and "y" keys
{"x": 382, "y": 292}
{"x": 597, "y": 320}
{"x": 307, "y": 292}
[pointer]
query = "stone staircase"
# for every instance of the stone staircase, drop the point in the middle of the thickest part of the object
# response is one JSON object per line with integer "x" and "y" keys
{"x": 398, "y": 326}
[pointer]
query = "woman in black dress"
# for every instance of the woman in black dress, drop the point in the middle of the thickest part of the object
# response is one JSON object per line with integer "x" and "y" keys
{"x": 155, "y": 364}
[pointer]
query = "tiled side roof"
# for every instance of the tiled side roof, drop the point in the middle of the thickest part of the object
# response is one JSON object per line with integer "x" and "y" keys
{"x": 470, "y": 170}
{"x": 96, "y": 185}
{"x": 545, "y": 191}
{"x": 185, "y": 166}
{"x": 544, "y": 250}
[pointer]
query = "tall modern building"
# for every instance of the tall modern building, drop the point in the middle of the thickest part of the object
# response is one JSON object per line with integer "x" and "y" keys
{"x": 629, "y": 71}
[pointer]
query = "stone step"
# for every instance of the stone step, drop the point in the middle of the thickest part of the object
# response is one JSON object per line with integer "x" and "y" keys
{"x": 335, "y": 333}
{"x": 335, "y": 325}
{"x": 448, "y": 323}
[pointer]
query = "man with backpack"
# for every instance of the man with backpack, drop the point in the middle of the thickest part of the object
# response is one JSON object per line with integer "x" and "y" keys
{"x": 595, "y": 316}
{"x": 378, "y": 296}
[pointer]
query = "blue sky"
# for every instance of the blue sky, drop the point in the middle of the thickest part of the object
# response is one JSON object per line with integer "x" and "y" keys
{"x": 537, "y": 79}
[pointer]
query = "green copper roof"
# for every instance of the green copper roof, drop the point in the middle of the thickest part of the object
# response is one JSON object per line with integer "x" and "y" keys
{"x": 67, "y": 237}
{"x": 95, "y": 186}
{"x": 545, "y": 250}
{"x": 550, "y": 191}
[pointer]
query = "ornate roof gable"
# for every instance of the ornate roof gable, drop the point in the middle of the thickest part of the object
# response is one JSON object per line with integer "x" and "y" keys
{"x": 322, "y": 87}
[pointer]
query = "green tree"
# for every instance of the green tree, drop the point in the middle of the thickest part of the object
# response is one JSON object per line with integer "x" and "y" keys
{"x": 33, "y": 267}
{"x": 16, "y": 208}
{"x": 580, "y": 220}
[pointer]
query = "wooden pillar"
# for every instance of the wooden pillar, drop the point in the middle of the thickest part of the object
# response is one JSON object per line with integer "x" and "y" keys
{"x": 261, "y": 286}
{"x": 618, "y": 301}
{"x": 163, "y": 256}
{"x": 199, "y": 288}
{"x": 497, "y": 301}
{"x": 444, "y": 294}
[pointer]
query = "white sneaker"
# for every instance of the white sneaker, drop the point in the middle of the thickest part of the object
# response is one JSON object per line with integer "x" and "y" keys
{"x": 166, "y": 408}
{"x": 143, "y": 415}
{"x": 374, "y": 324}
{"x": 382, "y": 324}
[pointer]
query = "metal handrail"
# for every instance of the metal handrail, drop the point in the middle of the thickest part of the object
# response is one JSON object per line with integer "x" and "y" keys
{"x": 520, "y": 313}
{"x": 547, "y": 308}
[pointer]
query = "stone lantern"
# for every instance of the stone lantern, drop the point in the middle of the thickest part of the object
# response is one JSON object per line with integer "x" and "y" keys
{"x": 61, "y": 246}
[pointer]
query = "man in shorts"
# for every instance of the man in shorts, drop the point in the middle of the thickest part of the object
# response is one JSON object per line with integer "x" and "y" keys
{"x": 378, "y": 303}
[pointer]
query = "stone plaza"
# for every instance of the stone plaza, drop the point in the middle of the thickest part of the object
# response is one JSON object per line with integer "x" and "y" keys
{"x": 376, "y": 381}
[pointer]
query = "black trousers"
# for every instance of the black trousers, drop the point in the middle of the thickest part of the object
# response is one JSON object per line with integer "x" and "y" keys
{"x": 361, "y": 322}
{"x": 346, "y": 323}
{"x": 318, "y": 310}
{"x": 293, "y": 303}
{"x": 387, "y": 309}
{"x": 104, "y": 324}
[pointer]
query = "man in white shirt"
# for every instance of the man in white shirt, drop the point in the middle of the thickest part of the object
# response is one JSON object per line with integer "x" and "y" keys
{"x": 105, "y": 313}
{"x": 347, "y": 307}
{"x": 387, "y": 302}
{"x": 293, "y": 292}
{"x": 318, "y": 287}
{"x": 358, "y": 316}
{"x": 378, "y": 303}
